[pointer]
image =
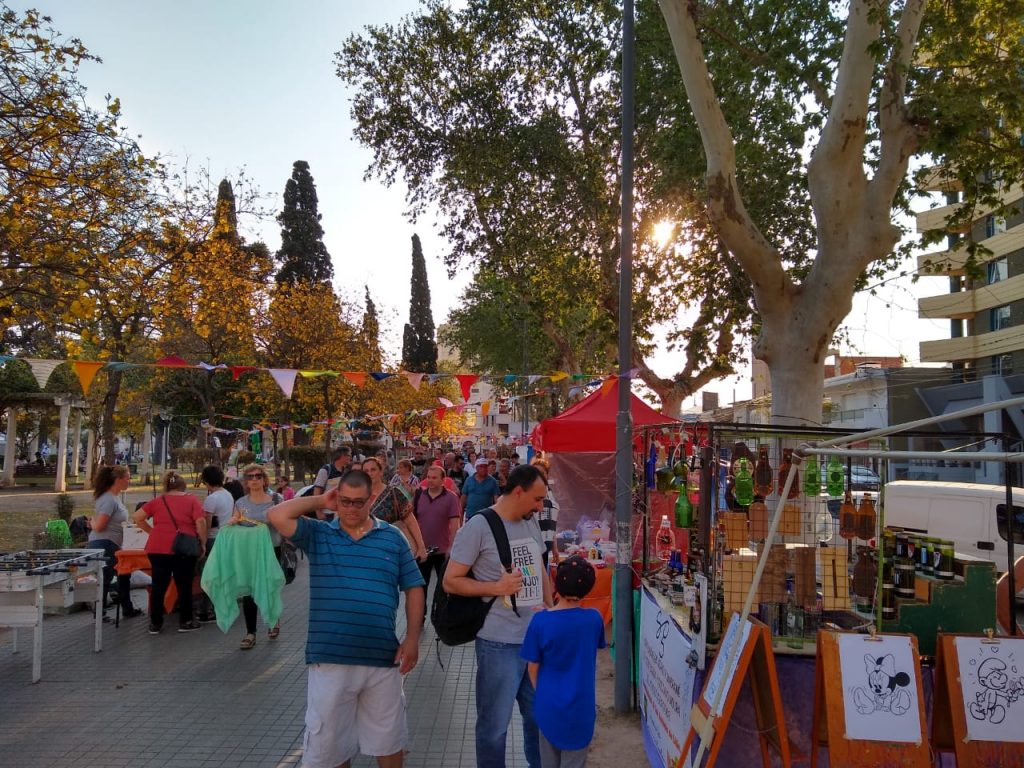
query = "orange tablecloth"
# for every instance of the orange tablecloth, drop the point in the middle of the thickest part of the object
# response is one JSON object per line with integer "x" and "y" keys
{"x": 600, "y": 596}
{"x": 129, "y": 560}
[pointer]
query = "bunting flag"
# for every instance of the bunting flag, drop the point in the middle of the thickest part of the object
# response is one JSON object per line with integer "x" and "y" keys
{"x": 510, "y": 377}
{"x": 607, "y": 385}
{"x": 314, "y": 374}
{"x": 445, "y": 402}
{"x": 439, "y": 412}
{"x": 414, "y": 379}
{"x": 5, "y": 358}
{"x": 557, "y": 376}
{"x": 531, "y": 380}
{"x": 356, "y": 377}
{"x": 119, "y": 366}
{"x": 172, "y": 361}
{"x": 86, "y": 372}
{"x": 380, "y": 375}
{"x": 485, "y": 407}
{"x": 211, "y": 367}
{"x": 238, "y": 370}
{"x": 573, "y": 391}
{"x": 285, "y": 378}
{"x": 466, "y": 381}
{"x": 580, "y": 376}
{"x": 432, "y": 378}
{"x": 42, "y": 369}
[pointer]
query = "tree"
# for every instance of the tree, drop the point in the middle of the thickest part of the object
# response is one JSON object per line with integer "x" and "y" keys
{"x": 506, "y": 117}
{"x": 419, "y": 350}
{"x": 369, "y": 334}
{"x": 879, "y": 83}
{"x": 66, "y": 169}
{"x": 303, "y": 255}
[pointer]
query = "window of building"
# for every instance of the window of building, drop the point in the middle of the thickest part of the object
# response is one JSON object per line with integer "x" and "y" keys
{"x": 994, "y": 225}
{"x": 997, "y": 271}
{"x": 999, "y": 318}
{"x": 1002, "y": 365}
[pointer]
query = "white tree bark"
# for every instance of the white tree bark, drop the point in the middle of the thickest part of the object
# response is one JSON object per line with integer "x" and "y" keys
{"x": 852, "y": 212}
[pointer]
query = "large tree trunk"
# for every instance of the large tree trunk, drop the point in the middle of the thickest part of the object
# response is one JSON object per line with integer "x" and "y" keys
{"x": 114, "y": 378}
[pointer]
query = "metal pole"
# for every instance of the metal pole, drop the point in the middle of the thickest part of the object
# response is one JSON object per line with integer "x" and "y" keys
{"x": 624, "y": 420}
{"x": 1011, "y": 576}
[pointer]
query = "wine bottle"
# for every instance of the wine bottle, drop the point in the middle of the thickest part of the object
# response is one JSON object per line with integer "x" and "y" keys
{"x": 865, "y": 522}
{"x": 787, "y": 463}
{"x": 836, "y": 477}
{"x": 743, "y": 487}
{"x": 764, "y": 477}
{"x": 848, "y": 517}
{"x": 812, "y": 478}
{"x": 684, "y": 511}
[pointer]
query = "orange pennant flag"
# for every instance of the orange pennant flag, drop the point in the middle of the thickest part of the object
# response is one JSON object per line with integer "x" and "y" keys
{"x": 607, "y": 385}
{"x": 86, "y": 372}
{"x": 485, "y": 407}
{"x": 356, "y": 377}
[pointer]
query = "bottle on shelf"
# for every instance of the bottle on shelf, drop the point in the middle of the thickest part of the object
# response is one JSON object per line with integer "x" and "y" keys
{"x": 866, "y": 517}
{"x": 664, "y": 540}
{"x": 836, "y": 477}
{"x": 848, "y": 517}
{"x": 693, "y": 480}
{"x": 684, "y": 510}
{"x": 812, "y": 478}
{"x": 764, "y": 477}
{"x": 743, "y": 486}
{"x": 787, "y": 463}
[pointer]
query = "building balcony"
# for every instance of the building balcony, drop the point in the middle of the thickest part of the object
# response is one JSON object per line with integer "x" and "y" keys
{"x": 966, "y": 348}
{"x": 963, "y": 305}
{"x": 937, "y": 179}
{"x": 955, "y": 262}
{"x": 935, "y": 218}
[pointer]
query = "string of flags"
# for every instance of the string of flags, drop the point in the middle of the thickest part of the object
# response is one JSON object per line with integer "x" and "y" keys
{"x": 285, "y": 378}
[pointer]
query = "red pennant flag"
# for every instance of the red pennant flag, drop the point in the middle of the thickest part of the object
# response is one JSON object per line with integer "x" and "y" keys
{"x": 356, "y": 377}
{"x": 467, "y": 380}
{"x": 172, "y": 361}
{"x": 440, "y": 412}
{"x": 238, "y": 370}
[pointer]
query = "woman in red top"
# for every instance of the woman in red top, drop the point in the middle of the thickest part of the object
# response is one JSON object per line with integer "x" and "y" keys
{"x": 163, "y": 517}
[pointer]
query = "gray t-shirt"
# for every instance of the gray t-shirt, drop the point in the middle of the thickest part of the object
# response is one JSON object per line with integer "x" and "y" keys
{"x": 475, "y": 546}
{"x": 109, "y": 504}
{"x": 220, "y": 504}
{"x": 255, "y": 511}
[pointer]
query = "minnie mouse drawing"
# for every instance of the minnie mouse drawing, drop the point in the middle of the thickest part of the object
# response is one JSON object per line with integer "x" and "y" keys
{"x": 885, "y": 687}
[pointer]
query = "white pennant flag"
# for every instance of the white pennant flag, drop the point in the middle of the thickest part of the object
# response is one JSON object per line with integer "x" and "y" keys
{"x": 533, "y": 379}
{"x": 42, "y": 369}
{"x": 415, "y": 379}
{"x": 285, "y": 378}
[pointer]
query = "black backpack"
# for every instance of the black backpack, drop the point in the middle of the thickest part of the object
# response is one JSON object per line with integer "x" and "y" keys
{"x": 457, "y": 618}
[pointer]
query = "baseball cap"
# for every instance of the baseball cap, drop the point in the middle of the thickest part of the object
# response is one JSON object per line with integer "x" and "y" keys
{"x": 481, "y": 462}
{"x": 575, "y": 577}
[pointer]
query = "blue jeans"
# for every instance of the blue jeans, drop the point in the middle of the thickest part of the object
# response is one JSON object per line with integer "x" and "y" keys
{"x": 501, "y": 680}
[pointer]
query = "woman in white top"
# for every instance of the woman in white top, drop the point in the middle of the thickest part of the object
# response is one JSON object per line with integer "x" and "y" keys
{"x": 404, "y": 476}
{"x": 108, "y": 532}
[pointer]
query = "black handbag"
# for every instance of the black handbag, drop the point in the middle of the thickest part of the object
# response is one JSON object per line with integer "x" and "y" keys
{"x": 184, "y": 544}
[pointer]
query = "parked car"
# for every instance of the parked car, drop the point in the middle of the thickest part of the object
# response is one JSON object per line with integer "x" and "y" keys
{"x": 859, "y": 478}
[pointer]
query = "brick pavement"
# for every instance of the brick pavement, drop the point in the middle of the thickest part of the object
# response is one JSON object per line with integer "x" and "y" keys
{"x": 196, "y": 701}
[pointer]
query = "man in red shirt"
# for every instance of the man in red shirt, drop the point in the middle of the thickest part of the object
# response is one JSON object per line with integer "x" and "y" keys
{"x": 439, "y": 514}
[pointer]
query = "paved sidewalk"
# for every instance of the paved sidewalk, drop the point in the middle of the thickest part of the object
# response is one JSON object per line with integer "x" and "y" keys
{"x": 195, "y": 700}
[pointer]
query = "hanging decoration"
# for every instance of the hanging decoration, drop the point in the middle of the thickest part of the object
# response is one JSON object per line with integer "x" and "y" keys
{"x": 86, "y": 372}
{"x": 42, "y": 369}
{"x": 285, "y": 378}
{"x": 466, "y": 381}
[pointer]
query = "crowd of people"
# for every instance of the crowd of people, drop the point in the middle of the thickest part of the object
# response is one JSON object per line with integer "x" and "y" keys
{"x": 371, "y": 533}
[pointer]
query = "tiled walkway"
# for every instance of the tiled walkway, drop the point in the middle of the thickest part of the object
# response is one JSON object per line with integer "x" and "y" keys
{"x": 195, "y": 700}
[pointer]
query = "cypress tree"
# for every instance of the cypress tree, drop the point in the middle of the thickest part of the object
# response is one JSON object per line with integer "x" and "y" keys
{"x": 303, "y": 256}
{"x": 225, "y": 217}
{"x": 419, "y": 350}
{"x": 370, "y": 332}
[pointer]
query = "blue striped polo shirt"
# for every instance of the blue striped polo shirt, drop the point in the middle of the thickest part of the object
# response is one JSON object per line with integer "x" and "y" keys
{"x": 353, "y": 591}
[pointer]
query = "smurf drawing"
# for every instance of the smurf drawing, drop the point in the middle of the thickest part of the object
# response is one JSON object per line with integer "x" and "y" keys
{"x": 991, "y": 703}
{"x": 885, "y": 691}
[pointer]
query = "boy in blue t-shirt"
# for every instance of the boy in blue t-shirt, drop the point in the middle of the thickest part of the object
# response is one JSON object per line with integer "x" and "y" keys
{"x": 561, "y": 647}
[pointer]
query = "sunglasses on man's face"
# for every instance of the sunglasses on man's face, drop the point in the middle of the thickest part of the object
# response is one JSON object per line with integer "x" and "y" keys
{"x": 348, "y": 503}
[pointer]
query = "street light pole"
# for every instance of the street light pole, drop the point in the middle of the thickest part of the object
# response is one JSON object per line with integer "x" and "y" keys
{"x": 624, "y": 420}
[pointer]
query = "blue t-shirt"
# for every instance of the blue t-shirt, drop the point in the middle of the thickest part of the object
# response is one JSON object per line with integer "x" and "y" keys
{"x": 565, "y": 644}
{"x": 479, "y": 494}
{"x": 353, "y": 591}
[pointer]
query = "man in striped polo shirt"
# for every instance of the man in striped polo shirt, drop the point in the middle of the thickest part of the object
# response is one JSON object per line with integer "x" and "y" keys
{"x": 357, "y": 566}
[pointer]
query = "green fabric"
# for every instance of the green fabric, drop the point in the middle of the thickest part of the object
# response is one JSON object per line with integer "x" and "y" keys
{"x": 243, "y": 563}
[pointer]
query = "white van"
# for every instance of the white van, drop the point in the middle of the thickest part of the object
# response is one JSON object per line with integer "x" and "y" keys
{"x": 971, "y": 515}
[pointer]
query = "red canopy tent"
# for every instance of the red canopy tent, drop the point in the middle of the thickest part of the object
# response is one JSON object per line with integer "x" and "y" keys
{"x": 589, "y": 426}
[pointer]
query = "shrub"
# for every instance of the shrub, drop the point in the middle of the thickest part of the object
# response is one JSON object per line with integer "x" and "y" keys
{"x": 308, "y": 458}
{"x": 245, "y": 457}
{"x": 196, "y": 457}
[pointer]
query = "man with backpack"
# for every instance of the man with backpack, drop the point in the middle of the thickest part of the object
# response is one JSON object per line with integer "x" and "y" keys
{"x": 475, "y": 570}
{"x": 330, "y": 475}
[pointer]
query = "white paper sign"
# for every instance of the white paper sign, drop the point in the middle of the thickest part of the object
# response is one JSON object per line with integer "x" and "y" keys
{"x": 880, "y": 693}
{"x": 992, "y": 680}
{"x": 666, "y": 680}
{"x": 722, "y": 672}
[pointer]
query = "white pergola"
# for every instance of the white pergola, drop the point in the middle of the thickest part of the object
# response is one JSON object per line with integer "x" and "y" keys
{"x": 64, "y": 403}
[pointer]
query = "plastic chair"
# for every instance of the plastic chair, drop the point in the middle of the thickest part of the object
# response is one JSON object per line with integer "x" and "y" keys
{"x": 59, "y": 534}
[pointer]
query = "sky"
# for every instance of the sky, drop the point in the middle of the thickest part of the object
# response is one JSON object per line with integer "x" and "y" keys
{"x": 232, "y": 84}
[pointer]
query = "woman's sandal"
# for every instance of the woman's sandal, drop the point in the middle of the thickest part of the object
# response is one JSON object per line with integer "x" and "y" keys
{"x": 248, "y": 642}
{"x": 273, "y": 632}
